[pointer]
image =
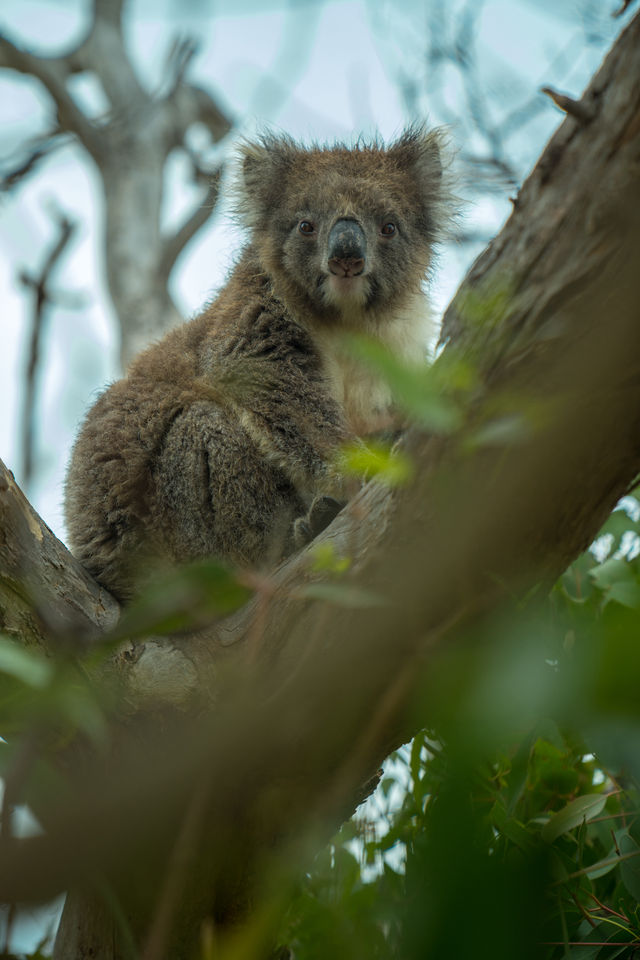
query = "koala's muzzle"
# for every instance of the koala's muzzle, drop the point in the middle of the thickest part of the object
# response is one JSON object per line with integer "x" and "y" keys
{"x": 347, "y": 249}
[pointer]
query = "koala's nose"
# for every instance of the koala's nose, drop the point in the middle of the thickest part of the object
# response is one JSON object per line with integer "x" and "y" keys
{"x": 347, "y": 249}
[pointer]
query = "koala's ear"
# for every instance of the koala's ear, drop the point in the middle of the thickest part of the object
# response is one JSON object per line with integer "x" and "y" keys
{"x": 425, "y": 156}
{"x": 420, "y": 152}
{"x": 263, "y": 166}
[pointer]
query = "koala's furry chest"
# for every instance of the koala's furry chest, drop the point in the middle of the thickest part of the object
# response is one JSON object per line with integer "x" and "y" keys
{"x": 365, "y": 400}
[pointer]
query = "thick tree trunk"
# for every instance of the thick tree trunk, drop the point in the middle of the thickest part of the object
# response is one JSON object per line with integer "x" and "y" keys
{"x": 311, "y": 694}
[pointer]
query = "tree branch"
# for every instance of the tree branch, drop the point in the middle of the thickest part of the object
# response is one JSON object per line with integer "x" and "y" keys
{"x": 41, "y": 148}
{"x": 109, "y": 11}
{"x": 179, "y": 57}
{"x": 103, "y": 51}
{"x": 43, "y": 298}
{"x": 188, "y": 104}
{"x": 52, "y": 73}
{"x": 45, "y": 594}
{"x": 177, "y": 241}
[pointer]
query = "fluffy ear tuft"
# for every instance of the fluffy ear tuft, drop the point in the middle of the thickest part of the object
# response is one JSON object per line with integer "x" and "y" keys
{"x": 425, "y": 155}
{"x": 421, "y": 151}
{"x": 262, "y": 165}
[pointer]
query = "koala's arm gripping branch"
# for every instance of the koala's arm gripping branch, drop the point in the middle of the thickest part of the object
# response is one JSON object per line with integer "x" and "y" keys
{"x": 303, "y": 437}
{"x": 273, "y": 374}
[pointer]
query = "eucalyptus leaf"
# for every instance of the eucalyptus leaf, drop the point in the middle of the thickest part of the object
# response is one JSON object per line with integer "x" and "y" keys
{"x": 29, "y": 666}
{"x": 392, "y": 467}
{"x": 604, "y": 866}
{"x": 614, "y": 570}
{"x": 630, "y": 868}
{"x": 625, "y": 593}
{"x": 416, "y": 388}
{"x": 578, "y": 811}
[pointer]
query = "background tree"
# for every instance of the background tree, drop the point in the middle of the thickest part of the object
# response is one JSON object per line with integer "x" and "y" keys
{"x": 511, "y": 400}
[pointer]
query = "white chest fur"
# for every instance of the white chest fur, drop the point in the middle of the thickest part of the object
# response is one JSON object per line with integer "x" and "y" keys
{"x": 365, "y": 397}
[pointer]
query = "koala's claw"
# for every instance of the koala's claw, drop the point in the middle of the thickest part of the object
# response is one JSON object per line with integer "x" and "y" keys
{"x": 302, "y": 534}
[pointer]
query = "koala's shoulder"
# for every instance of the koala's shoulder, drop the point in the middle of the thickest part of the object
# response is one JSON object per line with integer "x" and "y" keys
{"x": 252, "y": 322}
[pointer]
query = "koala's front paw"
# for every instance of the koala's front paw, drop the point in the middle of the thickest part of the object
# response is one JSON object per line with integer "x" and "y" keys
{"x": 301, "y": 533}
{"x": 321, "y": 512}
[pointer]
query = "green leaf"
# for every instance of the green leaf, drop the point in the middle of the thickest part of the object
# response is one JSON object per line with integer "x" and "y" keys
{"x": 616, "y": 577}
{"x": 392, "y": 467}
{"x": 604, "y": 866}
{"x": 614, "y": 570}
{"x": 416, "y": 388}
{"x": 579, "y": 810}
{"x": 188, "y": 597}
{"x": 518, "y": 774}
{"x": 326, "y": 560}
{"x": 627, "y": 594}
{"x": 386, "y": 785}
{"x": 415, "y": 757}
{"x": 630, "y": 868}
{"x": 29, "y": 666}
{"x": 618, "y": 524}
{"x": 76, "y": 701}
{"x": 512, "y": 829}
{"x": 601, "y": 933}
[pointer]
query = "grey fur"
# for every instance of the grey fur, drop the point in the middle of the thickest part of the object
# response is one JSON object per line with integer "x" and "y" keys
{"x": 224, "y": 433}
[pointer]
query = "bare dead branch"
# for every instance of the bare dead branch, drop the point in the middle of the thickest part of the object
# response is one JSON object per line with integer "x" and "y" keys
{"x": 104, "y": 52}
{"x": 52, "y": 72}
{"x": 492, "y": 172}
{"x": 623, "y": 8}
{"x": 40, "y": 287}
{"x": 176, "y": 243}
{"x": 181, "y": 52}
{"x": 188, "y": 104}
{"x": 43, "y": 148}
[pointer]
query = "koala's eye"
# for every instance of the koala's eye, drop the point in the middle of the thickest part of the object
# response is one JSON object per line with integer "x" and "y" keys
{"x": 388, "y": 229}
{"x": 305, "y": 226}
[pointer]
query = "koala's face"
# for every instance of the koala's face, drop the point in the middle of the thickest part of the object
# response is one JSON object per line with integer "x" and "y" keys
{"x": 345, "y": 230}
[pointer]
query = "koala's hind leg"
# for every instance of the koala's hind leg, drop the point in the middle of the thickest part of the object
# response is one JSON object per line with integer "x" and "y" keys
{"x": 216, "y": 495}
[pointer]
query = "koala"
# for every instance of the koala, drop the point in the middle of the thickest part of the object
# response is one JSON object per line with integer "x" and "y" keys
{"x": 225, "y": 433}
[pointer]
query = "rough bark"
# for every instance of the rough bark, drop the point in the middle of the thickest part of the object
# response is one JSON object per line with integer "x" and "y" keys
{"x": 311, "y": 696}
{"x": 130, "y": 146}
